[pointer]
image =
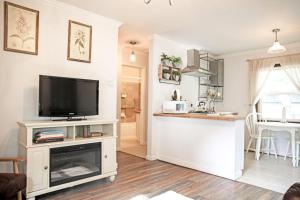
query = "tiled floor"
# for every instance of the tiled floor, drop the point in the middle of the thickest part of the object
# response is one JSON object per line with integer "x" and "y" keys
{"x": 132, "y": 146}
{"x": 270, "y": 173}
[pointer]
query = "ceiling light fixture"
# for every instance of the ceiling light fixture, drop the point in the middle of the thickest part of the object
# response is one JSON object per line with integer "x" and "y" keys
{"x": 277, "y": 47}
{"x": 132, "y": 57}
{"x": 149, "y": 1}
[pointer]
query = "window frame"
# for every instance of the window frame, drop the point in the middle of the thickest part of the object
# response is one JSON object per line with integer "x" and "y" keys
{"x": 259, "y": 106}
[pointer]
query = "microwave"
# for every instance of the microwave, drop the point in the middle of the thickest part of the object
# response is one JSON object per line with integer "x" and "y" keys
{"x": 175, "y": 107}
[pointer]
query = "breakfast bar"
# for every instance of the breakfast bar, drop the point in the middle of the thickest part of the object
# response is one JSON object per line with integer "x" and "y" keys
{"x": 211, "y": 143}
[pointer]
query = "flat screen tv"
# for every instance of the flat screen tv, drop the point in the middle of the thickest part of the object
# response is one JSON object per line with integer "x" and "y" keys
{"x": 67, "y": 97}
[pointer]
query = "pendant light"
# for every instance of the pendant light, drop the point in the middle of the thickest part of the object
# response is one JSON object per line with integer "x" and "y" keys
{"x": 277, "y": 47}
{"x": 132, "y": 56}
{"x": 149, "y": 1}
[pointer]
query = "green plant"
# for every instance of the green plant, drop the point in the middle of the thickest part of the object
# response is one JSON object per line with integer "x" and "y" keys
{"x": 176, "y": 60}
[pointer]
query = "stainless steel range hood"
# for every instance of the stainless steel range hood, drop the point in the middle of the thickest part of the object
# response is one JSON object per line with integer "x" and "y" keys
{"x": 193, "y": 65}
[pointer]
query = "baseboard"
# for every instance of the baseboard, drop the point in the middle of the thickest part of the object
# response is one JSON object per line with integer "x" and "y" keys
{"x": 215, "y": 170}
{"x": 151, "y": 157}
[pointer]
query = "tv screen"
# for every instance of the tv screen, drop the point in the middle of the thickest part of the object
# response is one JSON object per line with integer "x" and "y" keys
{"x": 67, "y": 97}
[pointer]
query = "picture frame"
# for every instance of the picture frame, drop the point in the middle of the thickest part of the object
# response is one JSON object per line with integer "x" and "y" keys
{"x": 79, "y": 42}
{"x": 21, "y": 29}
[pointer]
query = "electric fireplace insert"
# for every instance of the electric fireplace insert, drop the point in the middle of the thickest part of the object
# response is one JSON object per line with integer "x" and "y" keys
{"x": 72, "y": 163}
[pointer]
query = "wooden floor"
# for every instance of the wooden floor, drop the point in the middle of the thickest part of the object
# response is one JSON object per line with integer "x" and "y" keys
{"x": 137, "y": 176}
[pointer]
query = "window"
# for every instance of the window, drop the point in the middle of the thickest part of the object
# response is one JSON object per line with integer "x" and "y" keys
{"x": 280, "y": 92}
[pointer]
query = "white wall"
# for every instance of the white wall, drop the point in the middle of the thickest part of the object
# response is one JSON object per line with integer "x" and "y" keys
{"x": 159, "y": 92}
{"x": 19, "y": 72}
{"x": 236, "y": 83}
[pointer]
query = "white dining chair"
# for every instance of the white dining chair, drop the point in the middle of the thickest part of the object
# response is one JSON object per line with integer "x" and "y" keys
{"x": 251, "y": 121}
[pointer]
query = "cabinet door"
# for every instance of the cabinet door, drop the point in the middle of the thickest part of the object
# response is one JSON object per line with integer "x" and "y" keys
{"x": 37, "y": 169}
{"x": 109, "y": 157}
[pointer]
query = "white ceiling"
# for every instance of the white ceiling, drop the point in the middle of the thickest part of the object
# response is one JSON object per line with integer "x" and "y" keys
{"x": 219, "y": 26}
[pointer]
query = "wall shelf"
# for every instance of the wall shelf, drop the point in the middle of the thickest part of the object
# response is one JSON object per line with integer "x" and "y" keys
{"x": 213, "y": 82}
{"x": 169, "y": 74}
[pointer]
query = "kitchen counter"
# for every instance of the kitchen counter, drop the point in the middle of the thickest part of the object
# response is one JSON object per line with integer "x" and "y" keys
{"x": 201, "y": 116}
{"x": 209, "y": 143}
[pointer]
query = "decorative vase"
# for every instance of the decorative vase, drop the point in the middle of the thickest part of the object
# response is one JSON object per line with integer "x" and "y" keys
{"x": 165, "y": 62}
{"x": 166, "y": 76}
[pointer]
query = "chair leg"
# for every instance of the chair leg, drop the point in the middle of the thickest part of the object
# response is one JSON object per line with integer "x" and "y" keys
{"x": 274, "y": 147}
{"x": 297, "y": 155}
{"x": 19, "y": 195}
{"x": 287, "y": 149}
{"x": 262, "y": 146}
{"x": 269, "y": 146}
{"x": 249, "y": 145}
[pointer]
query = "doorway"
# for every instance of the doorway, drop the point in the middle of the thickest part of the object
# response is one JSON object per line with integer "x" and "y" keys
{"x": 133, "y": 104}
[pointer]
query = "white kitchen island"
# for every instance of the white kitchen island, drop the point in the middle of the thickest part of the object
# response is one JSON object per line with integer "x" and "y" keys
{"x": 211, "y": 144}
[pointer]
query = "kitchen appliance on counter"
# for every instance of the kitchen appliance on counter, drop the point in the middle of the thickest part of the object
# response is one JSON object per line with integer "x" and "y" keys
{"x": 175, "y": 107}
{"x": 200, "y": 108}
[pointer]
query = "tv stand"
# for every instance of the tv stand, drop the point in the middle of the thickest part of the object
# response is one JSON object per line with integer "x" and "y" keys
{"x": 38, "y": 163}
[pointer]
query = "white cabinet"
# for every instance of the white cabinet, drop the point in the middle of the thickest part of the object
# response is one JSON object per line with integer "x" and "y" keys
{"x": 109, "y": 157}
{"x": 38, "y": 164}
{"x": 37, "y": 169}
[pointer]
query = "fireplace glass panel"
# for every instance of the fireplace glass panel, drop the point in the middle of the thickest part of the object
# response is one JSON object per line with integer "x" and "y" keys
{"x": 73, "y": 163}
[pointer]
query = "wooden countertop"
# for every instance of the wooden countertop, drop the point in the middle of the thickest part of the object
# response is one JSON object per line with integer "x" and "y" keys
{"x": 201, "y": 116}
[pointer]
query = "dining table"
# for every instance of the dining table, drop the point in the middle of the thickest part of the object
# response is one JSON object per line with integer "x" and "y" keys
{"x": 288, "y": 127}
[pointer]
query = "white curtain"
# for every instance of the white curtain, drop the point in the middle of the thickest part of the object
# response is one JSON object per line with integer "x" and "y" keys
{"x": 291, "y": 65}
{"x": 260, "y": 70}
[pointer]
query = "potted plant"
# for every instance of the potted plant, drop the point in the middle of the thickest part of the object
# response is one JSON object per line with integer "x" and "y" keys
{"x": 176, "y": 61}
{"x": 166, "y": 74}
{"x": 165, "y": 59}
{"x": 176, "y": 75}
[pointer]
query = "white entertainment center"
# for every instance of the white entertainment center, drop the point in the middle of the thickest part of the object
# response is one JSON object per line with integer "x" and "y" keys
{"x": 40, "y": 161}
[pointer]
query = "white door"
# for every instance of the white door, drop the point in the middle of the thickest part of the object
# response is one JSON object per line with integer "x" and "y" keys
{"x": 109, "y": 157}
{"x": 37, "y": 169}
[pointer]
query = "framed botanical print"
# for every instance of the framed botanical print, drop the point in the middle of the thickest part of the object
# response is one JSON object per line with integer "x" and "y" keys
{"x": 21, "y": 29}
{"x": 79, "y": 42}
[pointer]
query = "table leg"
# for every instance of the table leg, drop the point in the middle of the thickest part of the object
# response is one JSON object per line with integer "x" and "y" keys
{"x": 258, "y": 144}
{"x": 293, "y": 132}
